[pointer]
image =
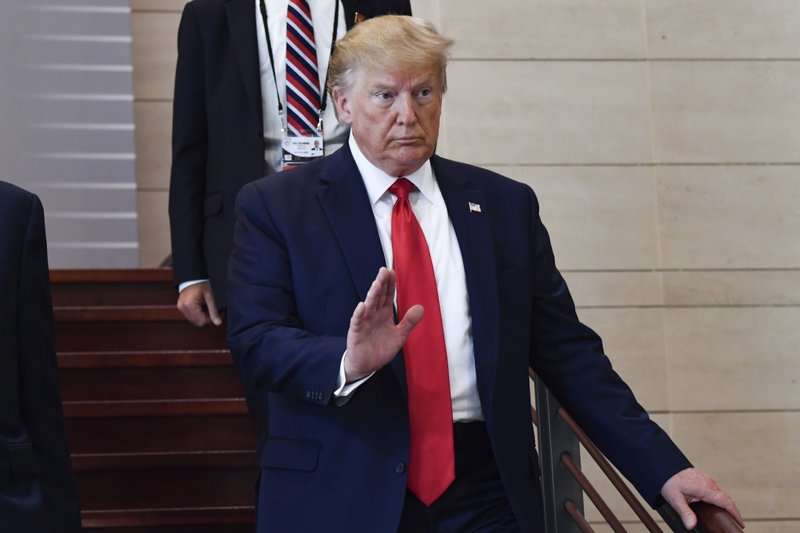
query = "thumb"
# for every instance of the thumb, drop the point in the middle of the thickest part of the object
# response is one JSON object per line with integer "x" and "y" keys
{"x": 211, "y": 305}
{"x": 687, "y": 515}
{"x": 409, "y": 321}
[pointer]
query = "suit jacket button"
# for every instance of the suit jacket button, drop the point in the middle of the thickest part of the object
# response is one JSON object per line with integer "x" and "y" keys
{"x": 400, "y": 468}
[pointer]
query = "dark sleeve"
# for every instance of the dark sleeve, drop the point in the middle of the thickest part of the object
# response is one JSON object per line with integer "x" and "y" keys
{"x": 271, "y": 348}
{"x": 189, "y": 153}
{"x": 569, "y": 358}
{"x": 40, "y": 397}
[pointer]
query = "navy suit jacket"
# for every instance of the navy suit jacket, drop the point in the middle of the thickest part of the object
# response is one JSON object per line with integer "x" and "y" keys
{"x": 37, "y": 488}
{"x": 217, "y": 130}
{"x": 306, "y": 251}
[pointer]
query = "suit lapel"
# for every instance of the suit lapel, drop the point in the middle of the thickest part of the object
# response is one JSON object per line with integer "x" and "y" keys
{"x": 346, "y": 205}
{"x": 475, "y": 240}
{"x": 242, "y": 29}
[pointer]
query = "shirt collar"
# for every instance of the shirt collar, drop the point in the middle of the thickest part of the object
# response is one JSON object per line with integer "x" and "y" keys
{"x": 378, "y": 182}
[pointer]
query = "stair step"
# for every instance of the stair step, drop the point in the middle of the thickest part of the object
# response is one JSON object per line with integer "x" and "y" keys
{"x": 142, "y": 434}
{"x": 105, "y": 384}
{"x": 189, "y": 520}
{"x": 112, "y": 287}
{"x": 130, "y": 408}
{"x": 160, "y": 437}
{"x": 117, "y": 313}
{"x": 150, "y": 358}
{"x": 137, "y": 461}
{"x": 133, "y": 334}
{"x": 164, "y": 487}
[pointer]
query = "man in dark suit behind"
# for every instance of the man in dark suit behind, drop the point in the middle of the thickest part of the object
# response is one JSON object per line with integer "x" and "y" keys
{"x": 37, "y": 488}
{"x": 226, "y": 127}
{"x": 312, "y": 327}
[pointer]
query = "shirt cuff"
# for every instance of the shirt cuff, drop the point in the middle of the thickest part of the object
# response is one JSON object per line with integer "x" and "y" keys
{"x": 344, "y": 390}
{"x": 185, "y": 284}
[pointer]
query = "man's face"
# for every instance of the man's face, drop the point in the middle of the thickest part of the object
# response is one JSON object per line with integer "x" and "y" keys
{"x": 394, "y": 116}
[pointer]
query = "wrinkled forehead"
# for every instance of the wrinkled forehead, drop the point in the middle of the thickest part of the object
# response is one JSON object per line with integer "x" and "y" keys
{"x": 397, "y": 76}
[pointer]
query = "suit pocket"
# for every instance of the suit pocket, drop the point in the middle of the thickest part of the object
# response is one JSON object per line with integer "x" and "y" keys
{"x": 291, "y": 454}
{"x": 213, "y": 203}
{"x": 21, "y": 460}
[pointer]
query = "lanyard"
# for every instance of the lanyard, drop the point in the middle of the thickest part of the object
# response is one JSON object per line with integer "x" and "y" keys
{"x": 324, "y": 100}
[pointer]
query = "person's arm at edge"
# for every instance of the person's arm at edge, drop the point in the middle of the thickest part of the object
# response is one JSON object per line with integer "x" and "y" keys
{"x": 187, "y": 178}
{"x": 40, "y": 396}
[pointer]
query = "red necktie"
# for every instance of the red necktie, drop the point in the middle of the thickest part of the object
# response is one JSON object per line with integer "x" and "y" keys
{"x": 431, "y": 465}
{"x": 302, "y": 79}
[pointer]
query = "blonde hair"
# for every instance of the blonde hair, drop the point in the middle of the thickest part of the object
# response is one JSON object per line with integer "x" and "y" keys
{"x": 388, "y": 43}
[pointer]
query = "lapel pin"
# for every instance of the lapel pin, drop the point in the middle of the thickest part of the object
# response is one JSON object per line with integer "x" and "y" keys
{"x": 474, "y": 208}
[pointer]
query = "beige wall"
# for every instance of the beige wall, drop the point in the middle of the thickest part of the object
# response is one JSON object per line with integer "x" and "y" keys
{"x": 663, "y": 139}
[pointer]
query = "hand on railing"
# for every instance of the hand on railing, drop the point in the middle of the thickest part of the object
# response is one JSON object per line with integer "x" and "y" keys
{"x": 691, "y": 485}
{"x": 710, "y": 519}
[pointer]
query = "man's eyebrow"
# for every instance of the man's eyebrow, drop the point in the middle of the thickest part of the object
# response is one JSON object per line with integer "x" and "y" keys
{"x": 381, "y": 86}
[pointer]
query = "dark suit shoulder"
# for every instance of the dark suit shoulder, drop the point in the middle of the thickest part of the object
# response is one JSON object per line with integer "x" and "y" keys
{"x": 209, "y": 6}
{"x": 13, "y": 193}
{"x": 480, "y": 177}
{"x": 15, "y": 204}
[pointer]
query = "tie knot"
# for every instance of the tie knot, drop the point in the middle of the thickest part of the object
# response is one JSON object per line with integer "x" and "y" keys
{"x": 401, "y": 188}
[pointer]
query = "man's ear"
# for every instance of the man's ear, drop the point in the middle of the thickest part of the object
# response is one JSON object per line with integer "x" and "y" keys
{"x": 342, "y": 103}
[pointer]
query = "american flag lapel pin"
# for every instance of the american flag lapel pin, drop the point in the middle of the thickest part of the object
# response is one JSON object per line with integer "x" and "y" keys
{"x": 474, "y": 208}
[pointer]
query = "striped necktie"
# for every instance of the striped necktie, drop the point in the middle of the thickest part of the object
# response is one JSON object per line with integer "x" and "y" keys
{"x": 302, "y": 76}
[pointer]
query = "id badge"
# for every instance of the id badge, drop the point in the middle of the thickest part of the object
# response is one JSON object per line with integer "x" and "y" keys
{"x": 300, "y": 150}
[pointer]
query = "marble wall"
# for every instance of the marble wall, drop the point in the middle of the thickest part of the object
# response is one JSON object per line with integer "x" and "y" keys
{"x": 663, "y": 139}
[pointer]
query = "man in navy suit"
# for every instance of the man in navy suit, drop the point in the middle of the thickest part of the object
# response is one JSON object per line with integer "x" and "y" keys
{"x": 312, "y": 322}
{"x": 37, "y": 488}
{"x": 226, "y": 126}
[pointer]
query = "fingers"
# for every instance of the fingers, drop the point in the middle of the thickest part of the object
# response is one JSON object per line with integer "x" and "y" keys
{"x": 688, "y": 486}
{"x": 190, "y": 304}
{"x": 357, "y": 316}
{"x": 196, "y": 304}
{"x": 381, "y": 292}
{"x": 720, "y": 499}
{"x": 211, "y": 306}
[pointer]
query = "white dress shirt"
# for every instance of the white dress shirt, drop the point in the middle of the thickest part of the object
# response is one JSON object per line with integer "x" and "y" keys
{"x": 322, "y": 12}
{"x": 431, "y": 212}
{"x": 334, "y": 134}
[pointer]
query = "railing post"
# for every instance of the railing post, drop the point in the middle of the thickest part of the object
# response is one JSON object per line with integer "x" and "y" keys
{"x": 554, "y": 439}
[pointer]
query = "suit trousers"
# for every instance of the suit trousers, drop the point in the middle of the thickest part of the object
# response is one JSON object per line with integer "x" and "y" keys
{"x": 476, "y": 500}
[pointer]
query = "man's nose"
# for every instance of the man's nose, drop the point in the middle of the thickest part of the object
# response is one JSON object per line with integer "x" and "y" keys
{"x": 406, "y": 109}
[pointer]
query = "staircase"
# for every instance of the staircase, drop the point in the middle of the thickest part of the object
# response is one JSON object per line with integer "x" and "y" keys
{"x": 158, "y": 427}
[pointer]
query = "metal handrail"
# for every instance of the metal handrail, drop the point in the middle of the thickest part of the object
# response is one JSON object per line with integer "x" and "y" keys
{"x": 710, "y": 519}
{"x": 609, "y": 471}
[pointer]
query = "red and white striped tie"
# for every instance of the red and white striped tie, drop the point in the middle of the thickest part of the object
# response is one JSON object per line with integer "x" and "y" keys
{"x": 302, "y": 76}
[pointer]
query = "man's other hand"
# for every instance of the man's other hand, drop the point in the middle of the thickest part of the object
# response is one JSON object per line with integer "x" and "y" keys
{"x": 196, "y": 304}
{"x": 689, "y": 486}
{"x": 373, "y": 339}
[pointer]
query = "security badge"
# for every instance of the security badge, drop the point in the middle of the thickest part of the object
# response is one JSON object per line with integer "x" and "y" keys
{"x": 300, "y": 150}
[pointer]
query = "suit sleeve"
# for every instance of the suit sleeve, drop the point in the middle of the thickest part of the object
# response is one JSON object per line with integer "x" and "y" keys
{"x": 40, "y": 397}
{"x": 189, "y": 153}
{"x": 272, "y": 350}
{"x": 569, "y": 357}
